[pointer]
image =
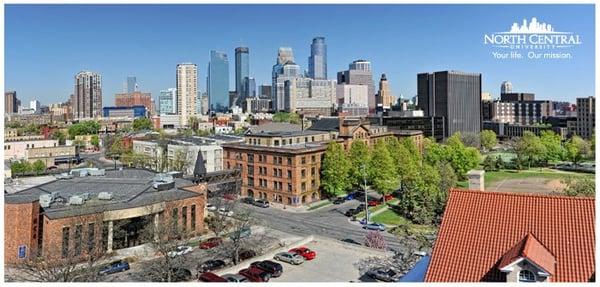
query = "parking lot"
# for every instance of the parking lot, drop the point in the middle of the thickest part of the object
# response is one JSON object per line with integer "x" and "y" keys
{"x": 334, "y": 263}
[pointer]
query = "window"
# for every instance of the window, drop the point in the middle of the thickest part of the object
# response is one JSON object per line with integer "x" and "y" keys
{"x": 289, "y": 172}
{"x": 193, "y": 217}
{"x": 250, "y": 181}
{"x": 250, "y": 169}
{"x": 78, "y": 239}
{"x": 184, "y": 218}
{"x": 303, "y": 160}
{"x": 289, "y": 160}
{"x": 174, "y": 216}
{"x": 313, "y": 159}
{"x": 526, "y": 276}
{"x": 304, "y": 173}
{"x": 65, "y": 242}
{"x": 250, "y": 157}
{"x": 91, "y": 238}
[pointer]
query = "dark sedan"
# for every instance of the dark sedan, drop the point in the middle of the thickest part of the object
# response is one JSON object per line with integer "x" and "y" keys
{"x": 211, "y": 265}
{"x": 114, "y": 267}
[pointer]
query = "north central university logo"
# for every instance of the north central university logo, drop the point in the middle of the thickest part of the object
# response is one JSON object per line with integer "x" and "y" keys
{"x": 532, "y": 36}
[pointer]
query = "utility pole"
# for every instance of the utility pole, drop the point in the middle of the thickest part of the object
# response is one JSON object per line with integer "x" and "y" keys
{"x": 364, "y": 171}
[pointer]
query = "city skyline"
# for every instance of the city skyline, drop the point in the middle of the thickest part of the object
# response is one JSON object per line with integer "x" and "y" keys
{"x": 397, "y": 51}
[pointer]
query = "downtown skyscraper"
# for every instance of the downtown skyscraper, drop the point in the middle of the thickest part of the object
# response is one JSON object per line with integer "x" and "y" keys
{"x": 131, "y": 84}
{"x": 242, "y": 73}
{"x": 218, "y": 82}
{"x": 87, "y": 95}
{"x": 317, "y": 62}
{"x": 168, "y": 101}
{"x": 187, "y": 90}
{"x": 359, "y": 73}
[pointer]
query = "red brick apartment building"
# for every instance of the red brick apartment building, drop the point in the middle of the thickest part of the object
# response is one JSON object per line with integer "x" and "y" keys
{"x": 510, "y": 237}
{"x": 76, "y": 215}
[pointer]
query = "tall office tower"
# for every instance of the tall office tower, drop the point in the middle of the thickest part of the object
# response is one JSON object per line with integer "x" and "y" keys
{"x": 359, "y": 73}
{"x": 385, "y": 100}
{"x": 11, "y": 105}
{"x": 131, "y": 84}
{"x": 35, "y": 106}
{"x": 187, "y": 89}
{"x": 168, "y": 102}
{"x": 87, "y": 97}
{"x": 242, "y": 71}
{"x": 264, "y": 92}
{"x": 454, "y": 95}
{"x": 310, "y": 96}
{"x": 284, "y": 55}
{"x": 249, "y": 88}
{"x": 204, "y": 104}
{"x": 506, "y": 87}
{"x": 586, "y": 117}
{"x": 288, "y": 71}
{"x": 218, "y": 81}
{"x": 317, "y": 62}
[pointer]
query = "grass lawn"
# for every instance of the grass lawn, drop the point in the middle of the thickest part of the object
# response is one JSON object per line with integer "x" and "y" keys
{"x": 496, "y": 176}
{"x": 323, "y": 203}
{"x": 390, "y": 217}
{"x": 378, "y": 207}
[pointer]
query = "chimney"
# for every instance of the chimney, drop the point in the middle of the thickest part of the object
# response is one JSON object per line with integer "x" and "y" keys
{"x": 476, "y": 179}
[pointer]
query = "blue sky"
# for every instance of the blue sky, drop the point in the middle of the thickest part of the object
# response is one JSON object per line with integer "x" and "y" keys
{"x": 46, "y": 45}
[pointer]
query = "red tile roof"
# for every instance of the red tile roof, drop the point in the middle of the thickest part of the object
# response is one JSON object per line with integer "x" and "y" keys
{"x": 479, "y": 228}
{"x": 534, "y": 251}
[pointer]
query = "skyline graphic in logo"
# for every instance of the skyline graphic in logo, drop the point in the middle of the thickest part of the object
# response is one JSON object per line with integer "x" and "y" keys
{"x": 533, "y": 27}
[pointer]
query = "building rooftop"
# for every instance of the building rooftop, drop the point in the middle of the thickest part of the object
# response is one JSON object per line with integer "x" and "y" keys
{"x": 481, "y": 231}
{"x": 273, "y": 127}
{"x": 128, "y": 187}
{"x": 286, "y": 133}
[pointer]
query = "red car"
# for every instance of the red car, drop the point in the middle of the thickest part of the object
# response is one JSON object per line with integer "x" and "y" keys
{"x": 304, "y": 252}
{"x": 387, "y": 197}
{"x": 230, "y": 196}
{"x": 211, "y": 243}
{"x": 255, "y": 274}
{"x": 374, "y": 202}
{"x": 211, "y": 277}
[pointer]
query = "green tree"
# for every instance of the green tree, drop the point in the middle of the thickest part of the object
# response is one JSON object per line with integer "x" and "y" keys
{"x": 179, "y": 161}
{"x": 95, "y": 141}
{"x": 500, "y": 163}
{"x": 292, "y": 118}
{"x": 335, "y": 170}
{"x": 554, "y": 151}
{"x": 384, "y": 177}
{"x": 448, "y": 180}
{"x": 530, "y": 148}
{"x": 141, "y": 124}
{"x": 358, "y": 156}
{"x": 577, "y": 149}
{"x": 31, "y": 129}
{"x": 471, "y": 140}
{"x": 488, "y": 139}
{"x": 84, "y": 128}
{"x": 579, "y": 186}
{"x": 38, "y": 167}
{"x": 60, "y": 136}
{"x": 460, "y": 157}
{"x": 490, "y": 163}
{"x": 20, "y": 167}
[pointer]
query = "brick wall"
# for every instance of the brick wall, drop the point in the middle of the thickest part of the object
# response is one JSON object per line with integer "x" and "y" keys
{"x": 20, "y": 229}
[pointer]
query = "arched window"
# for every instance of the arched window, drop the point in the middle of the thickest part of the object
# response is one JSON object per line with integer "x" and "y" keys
{"x": 526, "y": 276}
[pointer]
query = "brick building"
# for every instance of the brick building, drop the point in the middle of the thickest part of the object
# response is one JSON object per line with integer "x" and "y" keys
{"x": 74, "y": 215}
{"x": 136, "y": 98}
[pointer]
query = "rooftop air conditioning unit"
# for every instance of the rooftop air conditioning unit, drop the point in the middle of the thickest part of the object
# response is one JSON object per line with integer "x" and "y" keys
{"x": 159, "y": 186}
{"x": 105, "y": 195}
{"x": 76, "y": 200}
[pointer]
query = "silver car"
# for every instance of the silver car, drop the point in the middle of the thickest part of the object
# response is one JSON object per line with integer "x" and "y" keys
{"x": 289, "y": 257}
{"x": 235, "y": 278}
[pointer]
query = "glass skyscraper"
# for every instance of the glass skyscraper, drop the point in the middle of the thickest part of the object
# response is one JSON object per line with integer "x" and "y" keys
{"x": 168, "y": 101}
{"x": 317, "y": 62}
{"x": 218, "y": 81}
{"x": 131, "y": 84}
{"x": 242, "y": 71}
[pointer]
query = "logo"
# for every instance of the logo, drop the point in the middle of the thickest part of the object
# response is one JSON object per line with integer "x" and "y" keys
{"x": 539, "y": 39}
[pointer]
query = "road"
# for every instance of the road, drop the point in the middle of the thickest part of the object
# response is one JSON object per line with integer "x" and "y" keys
{"x": 328, "y": 222}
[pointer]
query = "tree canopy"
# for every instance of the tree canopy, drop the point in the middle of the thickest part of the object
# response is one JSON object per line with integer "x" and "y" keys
{"x": 141, "y": 124}
{"x": 84, "y": 128}
{"x": 335, "y": 169}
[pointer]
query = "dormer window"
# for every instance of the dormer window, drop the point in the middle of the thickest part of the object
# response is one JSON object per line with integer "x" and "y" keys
{"x": 526, "y": 276}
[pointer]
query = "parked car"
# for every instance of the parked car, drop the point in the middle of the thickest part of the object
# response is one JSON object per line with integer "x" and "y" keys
{"x": 304, "y": 252}
{"x": 339, "y": 200}
{"x": 246, "y": 254}
{"x": 230, "y": 196}
{"x": 349, "y": 196}
{"x": 383, "y": 274}
{"x": 351, "y": 241}
{"x": 248, "y": 200}
{"x": 360, "y": 207}
{"x": 374, "y": 202}
{"x": 225, "y": 211}
{"x": 211, "y": 265}
{"x": 242, "y": 233}
{"x": 374, "y": 226}
{"x": 210, "y": 277}
{"x": 180, "y": 250}
{"x": 114, "y": 267}
{"x": 387, "y": 197}
{"x": 261, "y": 203}
{"x": 255, "y": 274}
{"x": 211, "y": 243}
{"x": 181, "y": 274}
{"x": 274, "y": 268}
{"x": 210, "y": 207}
{"x": 289, "y": 257}
{"x": 350, "y": 212}
{"x": 235, "y": 278}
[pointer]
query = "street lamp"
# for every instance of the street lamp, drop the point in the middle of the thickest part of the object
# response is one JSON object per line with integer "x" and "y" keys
{"x": 364, "y": 172}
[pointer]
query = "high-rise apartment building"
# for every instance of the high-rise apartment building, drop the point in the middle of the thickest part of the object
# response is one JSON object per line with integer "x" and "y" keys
{"x": 187, "y": 89}
{"x": 242, "y": 71}
{"x": 135, "y": 98}
{"x": 35, "y": 106}
{"x": 168, "y": 101}
{"x": 359, "y": 73}
{"x": 454, "y": 95}
{"x": 131, "y": 84}
{"x": 11, "y": 105}
{"x": 385, "y": 99}
{"x": 285, "y": 56}
{"x": 353, "y": 100}
{"x": 218, "y": 81}
{"x": 506, "y": 87}
{"x": 310, "y": 96}
{"x": 586, "y": 117}
{"x": 87, "y": 96}
{"x": 317, "y": 62}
